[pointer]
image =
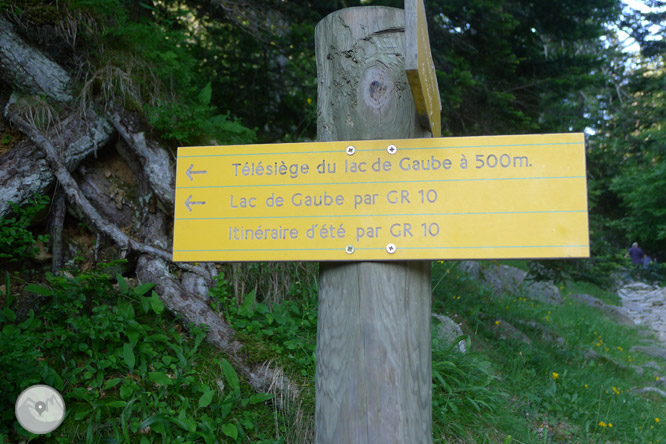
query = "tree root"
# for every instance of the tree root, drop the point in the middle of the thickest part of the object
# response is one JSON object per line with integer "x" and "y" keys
{"x": 153, "y": 267}
{"x": 57, "y": 224}
{"x": 74, "y": 194}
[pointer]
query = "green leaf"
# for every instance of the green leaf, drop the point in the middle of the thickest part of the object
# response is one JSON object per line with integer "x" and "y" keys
{"x": 206, "y": 398}
{"x": 247, "y": 307}
{"x": 185, "y": 423}
{"x": 126, "y": 391}
{"x": 230, "y": 374}
{"x": 160, "y": 378}
{"x": 142, "y": 289}
{"x": 205, "y": 94}
{"x": 128, "y": 355}
{"x": 112, "y": 383}
{"x": 26, "y": 324}
{"x": 122, "y": 283}
{"x": 38, "y": 289}
{"x": 80, "y": 415}
{"x": 230, "y": 430}
{"x": 258, "y": 398}
{"x": 116, "y": 404}
{"x": 9, "y": 314}
{"x": 156, "y": 303}
{"x": 159, "y": 418}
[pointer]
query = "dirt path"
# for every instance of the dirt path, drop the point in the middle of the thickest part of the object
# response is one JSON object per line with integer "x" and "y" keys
{"x": 646, "y": 306}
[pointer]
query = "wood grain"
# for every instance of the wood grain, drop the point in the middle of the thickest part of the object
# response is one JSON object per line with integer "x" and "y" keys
{"x": 373, "y": 377}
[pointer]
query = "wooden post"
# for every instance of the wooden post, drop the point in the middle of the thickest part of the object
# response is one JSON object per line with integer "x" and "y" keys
{"x": 373, "y": 377}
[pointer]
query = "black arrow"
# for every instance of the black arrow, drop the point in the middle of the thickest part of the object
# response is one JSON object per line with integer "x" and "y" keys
{"x": 189, "y": 202}
{"x": 189, "y": 172}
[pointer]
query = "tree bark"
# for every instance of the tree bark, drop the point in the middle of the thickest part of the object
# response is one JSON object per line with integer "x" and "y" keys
{"x": 155, "y": 162}
{"x": 24, "y": 66}
{"x": 76, "y": 197}
{"x": 24, "y": 170}
{"x": 373, "y": 377}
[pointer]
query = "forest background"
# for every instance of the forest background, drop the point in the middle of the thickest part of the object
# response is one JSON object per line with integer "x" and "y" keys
{"x": 139, "y": 78}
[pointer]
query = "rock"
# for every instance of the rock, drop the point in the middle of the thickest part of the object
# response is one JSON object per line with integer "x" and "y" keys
{"x": 644, "y": 304}
{"x": 612, "y": 311}
{"x": 449, "y": 331}
{"x": 547, "y": 334}
{"x": 655, "y": 352}
{"x": 545, "y": 292}
{"x": 638, "y": 286}
{"x": 653, "y": 365}
{"x": 502, "y": 278}
{"x": 505, "y": 330}
{"x": 650, "y": 390}
{"x": 594, "y": 356}
{"x": 505, "y": 279}
{"x": 638, "y": 369}
{"x": 472, "y": 268}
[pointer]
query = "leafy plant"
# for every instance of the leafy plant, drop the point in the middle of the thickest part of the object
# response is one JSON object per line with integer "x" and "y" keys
{"x": 463, "y": 388}
{"x": 126, "y": 371}
{"x": 287, "y": 329}
{"x": 17, "y": 242}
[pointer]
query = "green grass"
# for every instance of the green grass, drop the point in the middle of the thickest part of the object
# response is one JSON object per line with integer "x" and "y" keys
{"x": 130, "y": 372}
{"x": 550, "y": 391}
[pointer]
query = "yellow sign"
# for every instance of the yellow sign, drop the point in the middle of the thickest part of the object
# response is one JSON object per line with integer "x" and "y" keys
{"x": 420, "y": 68}
{"x": 446, "y": 198}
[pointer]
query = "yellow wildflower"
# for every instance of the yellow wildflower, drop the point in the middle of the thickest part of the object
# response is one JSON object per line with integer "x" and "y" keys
{"x": 555, "y": 376}
{"x": 603, "y": 424}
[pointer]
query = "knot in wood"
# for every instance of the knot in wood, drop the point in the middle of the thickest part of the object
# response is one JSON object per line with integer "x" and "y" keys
{"x": 377, "y": 87}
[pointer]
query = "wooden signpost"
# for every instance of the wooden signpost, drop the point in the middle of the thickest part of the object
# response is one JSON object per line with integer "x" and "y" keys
{"x": 374, "y": 200}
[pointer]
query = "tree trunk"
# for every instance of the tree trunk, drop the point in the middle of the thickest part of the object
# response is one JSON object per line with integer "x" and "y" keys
{"x": 21, "y": 64}
{"x": 373, "y": 377}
